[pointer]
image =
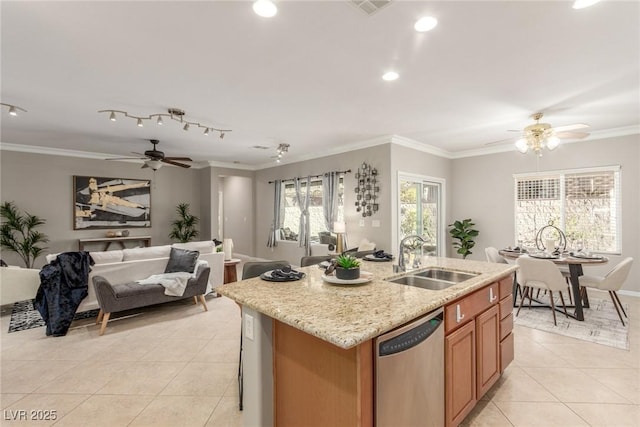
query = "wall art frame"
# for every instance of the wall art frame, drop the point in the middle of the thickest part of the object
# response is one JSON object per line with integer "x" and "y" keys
{"x": 100, "y": 202}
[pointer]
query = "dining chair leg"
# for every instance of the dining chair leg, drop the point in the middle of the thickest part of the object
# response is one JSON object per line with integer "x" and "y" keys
{"x": 616, "y": 306}
{"x": 523, "y": 294}
{"x": 553, "y": 308}
{"x": 615, "y": 294}
{"x": 564, "y": 306}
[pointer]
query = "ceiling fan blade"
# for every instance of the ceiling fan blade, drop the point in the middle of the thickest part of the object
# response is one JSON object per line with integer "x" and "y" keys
{"x": 185, "y": 159}
{"x": 171, "y": 162}
{"x": 500, "y": 142}
{"x": 144, "y": 165}
{"x": 566, "y": 128}
{"x": 127, "y": 158}
{"x": 571, "y": 135}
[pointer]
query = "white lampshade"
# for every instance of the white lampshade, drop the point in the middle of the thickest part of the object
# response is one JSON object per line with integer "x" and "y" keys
{"x": 522, "y": 145}
{"x": 339, "y": 227}
{"x": 227, "y": 248}
{"x": 553, "y": 142}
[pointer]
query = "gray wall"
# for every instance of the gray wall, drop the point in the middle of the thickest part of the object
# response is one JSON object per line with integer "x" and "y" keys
{"x": 482, "y": 189}
{"x": 43, "y": 186}
{"x": 238, "y": 212}
{"x": 377, "y": 157}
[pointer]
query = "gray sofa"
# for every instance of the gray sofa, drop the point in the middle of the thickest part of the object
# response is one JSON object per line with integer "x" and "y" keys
{"x": 126, "y": 296}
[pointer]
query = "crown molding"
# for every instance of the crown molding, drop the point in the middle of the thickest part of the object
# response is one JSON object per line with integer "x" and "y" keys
{"x": 384, "y": 139}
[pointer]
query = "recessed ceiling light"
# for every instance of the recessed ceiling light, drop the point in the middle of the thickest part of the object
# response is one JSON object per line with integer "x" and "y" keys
{"x": 426, "y": 23}
{"x": 390, "y": 76}
{"x": 265, "y": 8}
{"x": 581, "y": 4}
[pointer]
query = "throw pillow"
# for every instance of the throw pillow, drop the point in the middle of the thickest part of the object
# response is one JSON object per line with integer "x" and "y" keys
{"x": 182, "y": 260}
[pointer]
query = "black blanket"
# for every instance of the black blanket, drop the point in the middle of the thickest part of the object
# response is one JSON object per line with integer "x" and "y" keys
{"x": 64, "y": 284}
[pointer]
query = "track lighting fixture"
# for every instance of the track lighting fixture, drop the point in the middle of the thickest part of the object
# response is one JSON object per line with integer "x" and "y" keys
{"x": 175, "y": 114}
{"x": 13, "y": 109}
{"x": 282, "y": 148}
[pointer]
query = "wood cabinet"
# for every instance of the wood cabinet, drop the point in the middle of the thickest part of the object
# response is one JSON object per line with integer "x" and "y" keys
{"x": 506, "y": 322}
{"x": 477, "y": 342}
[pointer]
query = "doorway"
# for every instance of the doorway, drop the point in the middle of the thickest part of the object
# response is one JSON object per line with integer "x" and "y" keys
{"x": 421, "y": 211}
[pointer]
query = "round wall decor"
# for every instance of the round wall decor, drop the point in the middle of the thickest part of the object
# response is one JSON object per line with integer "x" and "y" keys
{"x": 367, "y": 190}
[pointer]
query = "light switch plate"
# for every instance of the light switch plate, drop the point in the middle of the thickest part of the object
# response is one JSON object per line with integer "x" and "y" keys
{"x": 375, "y": 223}
{"x": 248, "y": 327}
{"x": 361, "y": 223}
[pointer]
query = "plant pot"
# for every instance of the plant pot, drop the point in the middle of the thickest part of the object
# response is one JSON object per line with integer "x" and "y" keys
{"x": 347, "y": 274}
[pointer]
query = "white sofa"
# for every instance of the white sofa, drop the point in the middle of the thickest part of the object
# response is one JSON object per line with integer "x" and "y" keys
{"x": 128, "y": 265}
{"x": 18, "y": 284}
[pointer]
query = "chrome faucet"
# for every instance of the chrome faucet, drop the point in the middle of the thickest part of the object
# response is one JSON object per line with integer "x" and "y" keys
{"x": 416, "y": 263}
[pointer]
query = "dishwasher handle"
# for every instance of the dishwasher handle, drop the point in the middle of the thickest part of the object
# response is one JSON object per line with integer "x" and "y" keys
{"x": 412, "y": 337}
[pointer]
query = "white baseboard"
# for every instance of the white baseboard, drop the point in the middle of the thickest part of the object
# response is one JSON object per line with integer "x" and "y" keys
{"x": 630, "y": 293}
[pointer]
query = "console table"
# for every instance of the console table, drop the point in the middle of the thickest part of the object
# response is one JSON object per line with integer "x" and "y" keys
{"x": 146, "y": 240}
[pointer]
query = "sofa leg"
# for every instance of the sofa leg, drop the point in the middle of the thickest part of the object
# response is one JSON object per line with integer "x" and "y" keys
{"x": 104, "y": 323}
{"x": 204, "y": 302}
{"x": 100, "y": 315}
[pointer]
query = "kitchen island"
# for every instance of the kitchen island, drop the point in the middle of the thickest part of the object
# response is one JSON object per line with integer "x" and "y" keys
{"x": 308, "y": 345}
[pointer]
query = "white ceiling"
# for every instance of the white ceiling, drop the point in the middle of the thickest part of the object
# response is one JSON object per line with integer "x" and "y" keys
{"x": 311, "y": 76}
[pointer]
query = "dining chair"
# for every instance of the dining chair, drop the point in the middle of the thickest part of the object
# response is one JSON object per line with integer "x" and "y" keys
{"x": 313, "y": 260}
{"x": 540, "y": 274}
{"x": 493, "y": 255}
{"x": 250, "y": 270}
{"x": 611, "y": 283}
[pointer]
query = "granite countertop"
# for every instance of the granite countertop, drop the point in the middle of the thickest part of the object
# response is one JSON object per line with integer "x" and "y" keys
{"x": 348, "y": 315}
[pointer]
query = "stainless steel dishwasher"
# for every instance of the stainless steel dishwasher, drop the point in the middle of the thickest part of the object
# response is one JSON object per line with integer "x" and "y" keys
{"x": 410, "y": 374}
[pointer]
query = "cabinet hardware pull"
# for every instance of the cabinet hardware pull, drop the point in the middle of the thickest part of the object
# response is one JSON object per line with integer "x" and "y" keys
{"x": 492, "y": 298}
{"x": 459, "y": 316}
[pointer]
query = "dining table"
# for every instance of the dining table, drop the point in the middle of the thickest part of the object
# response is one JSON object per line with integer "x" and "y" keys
{"x": 574, "y": 262}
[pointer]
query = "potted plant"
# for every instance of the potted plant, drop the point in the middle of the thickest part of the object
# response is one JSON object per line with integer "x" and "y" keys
{"x": 464, "y": 232}
{"x": 347, "y": 267}
{"x": 184, "y": 228}
{"x": 18, "y": 233}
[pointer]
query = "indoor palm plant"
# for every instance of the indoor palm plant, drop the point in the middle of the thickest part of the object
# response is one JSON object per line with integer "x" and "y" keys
{"x": 184, "y": 228}
{"x": 347, "y": 267}
{"x": 18, "y": 233}
{"x": 464, "y": 232}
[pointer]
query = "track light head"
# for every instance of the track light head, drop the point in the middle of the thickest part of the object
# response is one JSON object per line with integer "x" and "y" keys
{"x": 12, "y": 111}
{"x": 112, "y": 116}
{"x": 160, "y": 121}
{"x": 221, "y": 135}
{"x": 206, "y": 132}
{"x": 140, "y": 124}
{"x": 186, "y": 127}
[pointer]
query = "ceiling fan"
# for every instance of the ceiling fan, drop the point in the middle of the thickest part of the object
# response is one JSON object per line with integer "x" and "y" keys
{"x": 154, "y": 158}
{"x": 537, "y": 136}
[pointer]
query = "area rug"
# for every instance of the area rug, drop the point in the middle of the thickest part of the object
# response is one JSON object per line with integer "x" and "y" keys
{"x": 601, "y": 323}
{"x": 25, "y": 316}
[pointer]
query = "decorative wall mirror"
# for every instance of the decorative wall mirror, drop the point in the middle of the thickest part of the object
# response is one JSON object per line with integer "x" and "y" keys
{"x": 367, "y": 190}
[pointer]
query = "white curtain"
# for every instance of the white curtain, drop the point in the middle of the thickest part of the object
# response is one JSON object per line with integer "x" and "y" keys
{"x": 303, "y": 205}
{"x": 330, "y": 198}
{"x": 275, "y": 225}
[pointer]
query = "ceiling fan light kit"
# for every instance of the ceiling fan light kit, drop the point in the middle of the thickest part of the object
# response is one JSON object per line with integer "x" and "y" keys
{"x": 538, "y": 136}
{"x": 175, "y": 114}
{"x": 13, "y": 109}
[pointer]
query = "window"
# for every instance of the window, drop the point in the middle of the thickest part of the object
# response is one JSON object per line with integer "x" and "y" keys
{"x": 584, "y": 203}
{"x": 291, "y": 218}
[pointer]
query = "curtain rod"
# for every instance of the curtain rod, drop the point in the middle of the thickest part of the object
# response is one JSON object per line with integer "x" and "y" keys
{"x": 311, "y": 176}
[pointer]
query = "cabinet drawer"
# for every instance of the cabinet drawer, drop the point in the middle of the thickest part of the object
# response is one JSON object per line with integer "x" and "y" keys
{"x": 506, "y": 352}
{"x": 506, "y": 286}
{"x": 464, "y": 310}
{"x": 506, "y": 326}
{"x": 506, "y": 306}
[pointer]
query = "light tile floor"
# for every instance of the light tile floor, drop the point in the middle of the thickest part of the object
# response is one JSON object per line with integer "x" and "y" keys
{"x": 175, "y": 364}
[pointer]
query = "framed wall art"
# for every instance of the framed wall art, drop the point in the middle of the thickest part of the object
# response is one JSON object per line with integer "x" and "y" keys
{"x": 111, "y": 202}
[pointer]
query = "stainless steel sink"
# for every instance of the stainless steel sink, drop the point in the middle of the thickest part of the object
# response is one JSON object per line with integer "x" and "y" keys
{"x": 447, "y": 275}
{"x": 434, "y": 279}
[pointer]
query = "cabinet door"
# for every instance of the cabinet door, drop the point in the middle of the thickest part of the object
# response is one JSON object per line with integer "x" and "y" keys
{"x": 487, "y": 349}
{"x": 460, "y": 373}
